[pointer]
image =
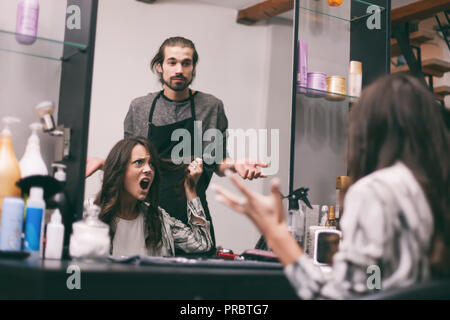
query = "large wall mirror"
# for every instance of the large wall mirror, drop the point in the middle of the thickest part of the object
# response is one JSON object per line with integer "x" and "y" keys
{"x": 248, "y": 67}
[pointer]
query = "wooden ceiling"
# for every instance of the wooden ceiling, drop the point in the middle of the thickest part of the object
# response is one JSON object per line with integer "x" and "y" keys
{"x": 264, "y": 10}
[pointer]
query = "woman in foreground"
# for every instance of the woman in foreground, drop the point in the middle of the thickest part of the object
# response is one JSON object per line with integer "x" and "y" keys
{"x": 397, "y": 208}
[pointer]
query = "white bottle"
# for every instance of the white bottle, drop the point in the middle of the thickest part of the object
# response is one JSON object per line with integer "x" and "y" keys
{"x": 55, "y": 237}
{"x": 32, "y": 162}
{"x": 355, "y": 79}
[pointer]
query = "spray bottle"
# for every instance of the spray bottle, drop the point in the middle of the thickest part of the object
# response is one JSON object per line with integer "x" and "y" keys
{"x": 297, "y": 216}
{"x": 9, "y": 167}
{"x": 32, "y": 162}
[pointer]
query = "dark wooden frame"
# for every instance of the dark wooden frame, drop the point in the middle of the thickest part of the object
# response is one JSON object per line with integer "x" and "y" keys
{"x": 74, "y": 105}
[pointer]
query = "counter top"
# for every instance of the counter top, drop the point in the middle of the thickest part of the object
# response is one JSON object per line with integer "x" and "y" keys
{"x": 147, "y": 278}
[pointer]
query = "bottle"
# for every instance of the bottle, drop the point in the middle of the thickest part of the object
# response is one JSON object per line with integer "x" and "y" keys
{"x": 55, "y": 237}
{"x": 297, "y": 221}
{"x": 32, "y": 162}
{"x": 331, "y": 221}
{"x": 355, "y": 79}
{"x": 342, "y": 183}
{"x": 323, "y": 216}
{"x": 33, "y": 222}
{"x": 9, "y": 167}
{"x": 11, "y": 224}
{"x": 61, "y": 201}
{"x": 27, "y": 21}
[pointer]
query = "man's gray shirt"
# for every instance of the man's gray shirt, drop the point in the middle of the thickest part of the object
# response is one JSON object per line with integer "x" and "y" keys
{"x": 208, "y": 109}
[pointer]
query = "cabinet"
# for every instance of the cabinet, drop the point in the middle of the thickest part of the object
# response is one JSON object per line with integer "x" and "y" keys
{"x": 355, "y": 30}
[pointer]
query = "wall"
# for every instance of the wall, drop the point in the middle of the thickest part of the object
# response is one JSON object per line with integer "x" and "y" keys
{"x": 244, "y": 66}
{"x": 25, "y": 80}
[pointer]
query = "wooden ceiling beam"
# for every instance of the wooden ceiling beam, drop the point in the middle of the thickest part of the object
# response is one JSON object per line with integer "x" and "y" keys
{"x": 418, "y": 11}
{"x": 264, "y": 10}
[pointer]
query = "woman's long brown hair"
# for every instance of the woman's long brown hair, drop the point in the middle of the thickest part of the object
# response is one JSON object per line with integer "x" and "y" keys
{"x": 113, "y": 185}
{"x": 398, "y": 119}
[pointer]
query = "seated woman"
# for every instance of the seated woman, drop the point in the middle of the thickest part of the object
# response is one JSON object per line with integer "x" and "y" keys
{"x": 396, "y": 211}
{"x": 129, "y": 204}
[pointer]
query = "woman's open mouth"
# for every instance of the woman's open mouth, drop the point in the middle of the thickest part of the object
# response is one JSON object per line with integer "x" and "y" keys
{"x": 144, "y": 183}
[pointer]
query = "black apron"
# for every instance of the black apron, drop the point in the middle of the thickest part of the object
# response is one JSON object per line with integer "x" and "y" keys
{"x": 172, "y": 197}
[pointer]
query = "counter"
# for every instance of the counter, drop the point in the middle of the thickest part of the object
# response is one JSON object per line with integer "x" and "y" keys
{"x": 34, "y": 278}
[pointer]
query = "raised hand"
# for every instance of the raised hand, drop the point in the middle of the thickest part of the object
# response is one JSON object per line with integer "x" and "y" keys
{"x": 264, "y": 211}
{"x": 248, "y": 169}
{"x": 195, "y": 170}
{"x": 92, "y": 165}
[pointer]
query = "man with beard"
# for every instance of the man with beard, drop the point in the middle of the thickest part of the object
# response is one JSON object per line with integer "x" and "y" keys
{"x": 179, "y": 109}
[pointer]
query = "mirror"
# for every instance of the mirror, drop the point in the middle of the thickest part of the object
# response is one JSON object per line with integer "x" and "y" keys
{"x": 247, "y": 67}
{"x": 327, "y": 244}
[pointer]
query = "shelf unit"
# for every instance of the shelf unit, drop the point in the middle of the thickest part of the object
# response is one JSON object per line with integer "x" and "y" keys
{"x": 319, "y": 124}
{"x": 76, "y": 55}
{"x": 42, "y": 47}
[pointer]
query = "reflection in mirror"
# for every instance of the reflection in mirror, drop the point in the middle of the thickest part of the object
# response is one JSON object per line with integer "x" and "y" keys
{"x": 248, "y": 68}
{"x": 327, "y": 245}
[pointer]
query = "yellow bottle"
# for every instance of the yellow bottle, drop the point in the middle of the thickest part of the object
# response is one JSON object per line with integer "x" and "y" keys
{"x": 9, "y": 166}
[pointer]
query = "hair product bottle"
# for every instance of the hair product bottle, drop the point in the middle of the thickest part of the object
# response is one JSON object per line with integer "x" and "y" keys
{"x": 331, "y": 221}
{"x": 32, "y": 162}
{"x": 61, "y": 201}
{"x": 27, "y": 21}
{"x": 355, "y": 79}
{"x": 342, "y": 183}
{"x": 11, "y": 224}
{"x": 55, "y": 237}
{"x": 9, "y": 167}
{"x": 33, "y": 223}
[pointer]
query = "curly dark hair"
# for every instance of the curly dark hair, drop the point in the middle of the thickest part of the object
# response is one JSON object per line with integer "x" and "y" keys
{"x": 113, "y": 181}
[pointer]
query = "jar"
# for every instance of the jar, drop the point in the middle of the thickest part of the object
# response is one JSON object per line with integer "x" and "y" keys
{"x": 90, "y": 237}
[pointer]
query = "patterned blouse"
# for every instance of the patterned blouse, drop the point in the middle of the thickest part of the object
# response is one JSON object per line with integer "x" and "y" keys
{"x": 387, "y": 226}
{"x": 129, "y": 236}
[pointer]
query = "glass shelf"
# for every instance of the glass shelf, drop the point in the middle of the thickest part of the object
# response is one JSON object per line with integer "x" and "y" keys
{"x": 42, "y": 48}
{"x": 327, "y": 95}
{"x": 321, "y": 7}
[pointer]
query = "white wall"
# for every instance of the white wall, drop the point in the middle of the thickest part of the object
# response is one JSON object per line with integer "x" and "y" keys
{"x": 25, "y": 80}
{"x": 239, "y": 64}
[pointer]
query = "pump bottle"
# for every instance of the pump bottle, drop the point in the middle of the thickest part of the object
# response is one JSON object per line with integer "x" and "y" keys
{"x": 9, "y": 167}
{"x": 32, "y": 162}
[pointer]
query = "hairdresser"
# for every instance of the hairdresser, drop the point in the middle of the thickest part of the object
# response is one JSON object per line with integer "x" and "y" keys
{"x": 177, "y": 108}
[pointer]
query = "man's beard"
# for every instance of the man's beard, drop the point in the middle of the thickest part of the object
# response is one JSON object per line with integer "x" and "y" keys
{"x": 177, "y": 88}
